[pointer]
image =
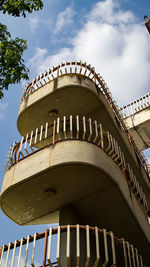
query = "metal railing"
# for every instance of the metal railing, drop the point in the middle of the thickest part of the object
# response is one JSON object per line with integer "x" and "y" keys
{"x": 76, "y": 128}
{"x": 108, "y": 249}
{"x": 86, "y": 70}
{"x": 136, "y": 106}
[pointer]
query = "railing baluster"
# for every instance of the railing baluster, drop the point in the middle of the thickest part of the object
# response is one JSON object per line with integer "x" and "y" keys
{"x": 46, "y": 129}
{"x": 49, "y": 247}
{"x": 84, "y": 128}
{"x": 137, "y": 258}
{"x": 58, "y": 247}
{"x": 133, "y": 255}
{"x": 77, "y": 127}
{"x": 96, "y": 131}
{"x": 124, "y": 252}
{"x": 41, "y": 133}
{"x": 36, "y": 133}
{"x": 105, "y": 248}
{"x": 68, "y": 246}
{"x": 25, "y": 145}
{"x": 54, "y": 130}
{"x": 90, "y": 129}
{"x": 30, "y": 144}
{"x": 13, "y": 256}
{"x": 20, "y": 250}
{"x": 20, "y": 147}
{"x": 129, "y": 256}
{"x": 87, "y": 246}
{"x": 1, "y": 255}
{"x": 113, "y": 249}
{"x": 6, "y": 262}
{"x": 64, "y": 127}
{"x": 26, "y": 254}
{"x": 101, "y": 142}
{"x": 71, "y": 126}
{"x": 78, "y": 245}
{"x": 33, "y": 250}
{"x": 57, "y": 130}
{"x": 97, "y": 247}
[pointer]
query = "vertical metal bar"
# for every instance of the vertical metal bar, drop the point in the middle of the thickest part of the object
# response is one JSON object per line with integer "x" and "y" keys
{"x": 141, "y": 261}
{"x": 20, "y": 147}
{"x": 78, "y": 245}
{"x": 133, "y": 255}
{"x": 13, "y": 256}
{"x": 96, "y": 131}
{"x": 58, "y": 247}
{"x": 113, "y": 249}
{"x": 97, "y": 247}
{"x": 26, "y": 254}
{"x": 101, "y": 142}
{"x": 45, "y": 248}
{"x": 71, "y": 126}
{"x": 75, "y": 66}
{"x": 90, "y": 129}
{"x": 77, "y": 125}
{"x": 49, "y": 247}
{"x": 46, "y": 128}
{"x": 33, "y": 251}
{"x": 7, "y": 254}
{"x": 35, "y": 139}
{"x": 137, "y": 258}
{"x": 54, "y": 130}
{"x": 64, "y": 127}
{"x": 124, "y": 252}
{"x": 20, "y": 250}
{"x": 84, "y": 128}
{"x": 25, "y": 145}
{"x": 31, "y": 139}
{"x": 105, "y": 248}
{"x": 87, "y": 246}
{"x": 1, "y": 255}
{"x": 41, "y": 133}
{"x": 129, "y": 256}
{"x": 57, "y": 130}
{"x": 68, "y": 246}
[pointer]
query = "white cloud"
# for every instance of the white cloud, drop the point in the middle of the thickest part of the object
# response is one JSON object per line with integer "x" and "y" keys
{"x": 33, "y": 23}
{"x": 114, "y": 43}
{"x": 36, "y": 61}
{"x": 64, "y": 19}
{"x": 3, "y": 107}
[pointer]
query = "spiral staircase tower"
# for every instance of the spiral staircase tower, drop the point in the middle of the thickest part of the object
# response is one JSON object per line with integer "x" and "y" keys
{"x": 78, "y": 165}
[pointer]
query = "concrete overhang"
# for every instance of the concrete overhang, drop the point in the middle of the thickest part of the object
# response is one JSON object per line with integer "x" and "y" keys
{"x": 77, "y": 173}
{"x": 68, "y": 95}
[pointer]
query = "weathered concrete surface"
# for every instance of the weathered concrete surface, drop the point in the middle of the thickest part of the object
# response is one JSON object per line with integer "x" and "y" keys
{"x": 80, "y": 173}
{"x": 139, "y": 126}
{"x": 77, "y": 95}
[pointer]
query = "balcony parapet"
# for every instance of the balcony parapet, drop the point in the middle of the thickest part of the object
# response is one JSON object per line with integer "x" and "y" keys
{"x": 83, "y": 69}
{"x": 108, "y": 249}
{"x": 75, "y": 128}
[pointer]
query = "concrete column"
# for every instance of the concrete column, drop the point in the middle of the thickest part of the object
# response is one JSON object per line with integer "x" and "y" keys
{"x": 68, "y": 215}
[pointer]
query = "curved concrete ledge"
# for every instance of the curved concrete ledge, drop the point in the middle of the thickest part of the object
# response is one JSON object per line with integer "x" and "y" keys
{"x": 49, "y": 179}
{"x": 68, "y": 94}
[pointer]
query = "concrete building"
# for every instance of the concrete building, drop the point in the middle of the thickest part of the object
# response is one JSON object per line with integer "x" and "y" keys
{"x": 77, "y": 164}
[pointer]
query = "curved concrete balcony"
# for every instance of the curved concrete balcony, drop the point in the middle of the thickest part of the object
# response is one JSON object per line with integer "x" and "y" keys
{"x": 75, "y": 88}
{"x": 73, "y": 245}
{"x": 74, "y": 161}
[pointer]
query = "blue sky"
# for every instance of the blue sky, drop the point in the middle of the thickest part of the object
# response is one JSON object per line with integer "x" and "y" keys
{"x": 110, "y": 35}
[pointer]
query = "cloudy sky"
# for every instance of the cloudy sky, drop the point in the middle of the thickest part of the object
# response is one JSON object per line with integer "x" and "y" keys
{"x": 110, "y": 35}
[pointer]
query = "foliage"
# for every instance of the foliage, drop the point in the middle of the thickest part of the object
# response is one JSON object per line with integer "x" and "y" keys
{"x": 20, "y": 7}
{"x": 12, "y": 68}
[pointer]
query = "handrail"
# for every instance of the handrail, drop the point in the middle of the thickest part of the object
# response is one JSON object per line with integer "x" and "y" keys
{"x": 75, "y": 128}
{"x": 83, "y": 69}
{"x": 136, "y": 106}
{"x": 112, "y": 249}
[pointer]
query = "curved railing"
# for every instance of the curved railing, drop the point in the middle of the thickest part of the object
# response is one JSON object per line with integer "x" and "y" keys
{"x": 108, "y": 249}
{"x": 75, "y": 128}
{"x": 83, "y": 69}
{"x": 136, "y": 106}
